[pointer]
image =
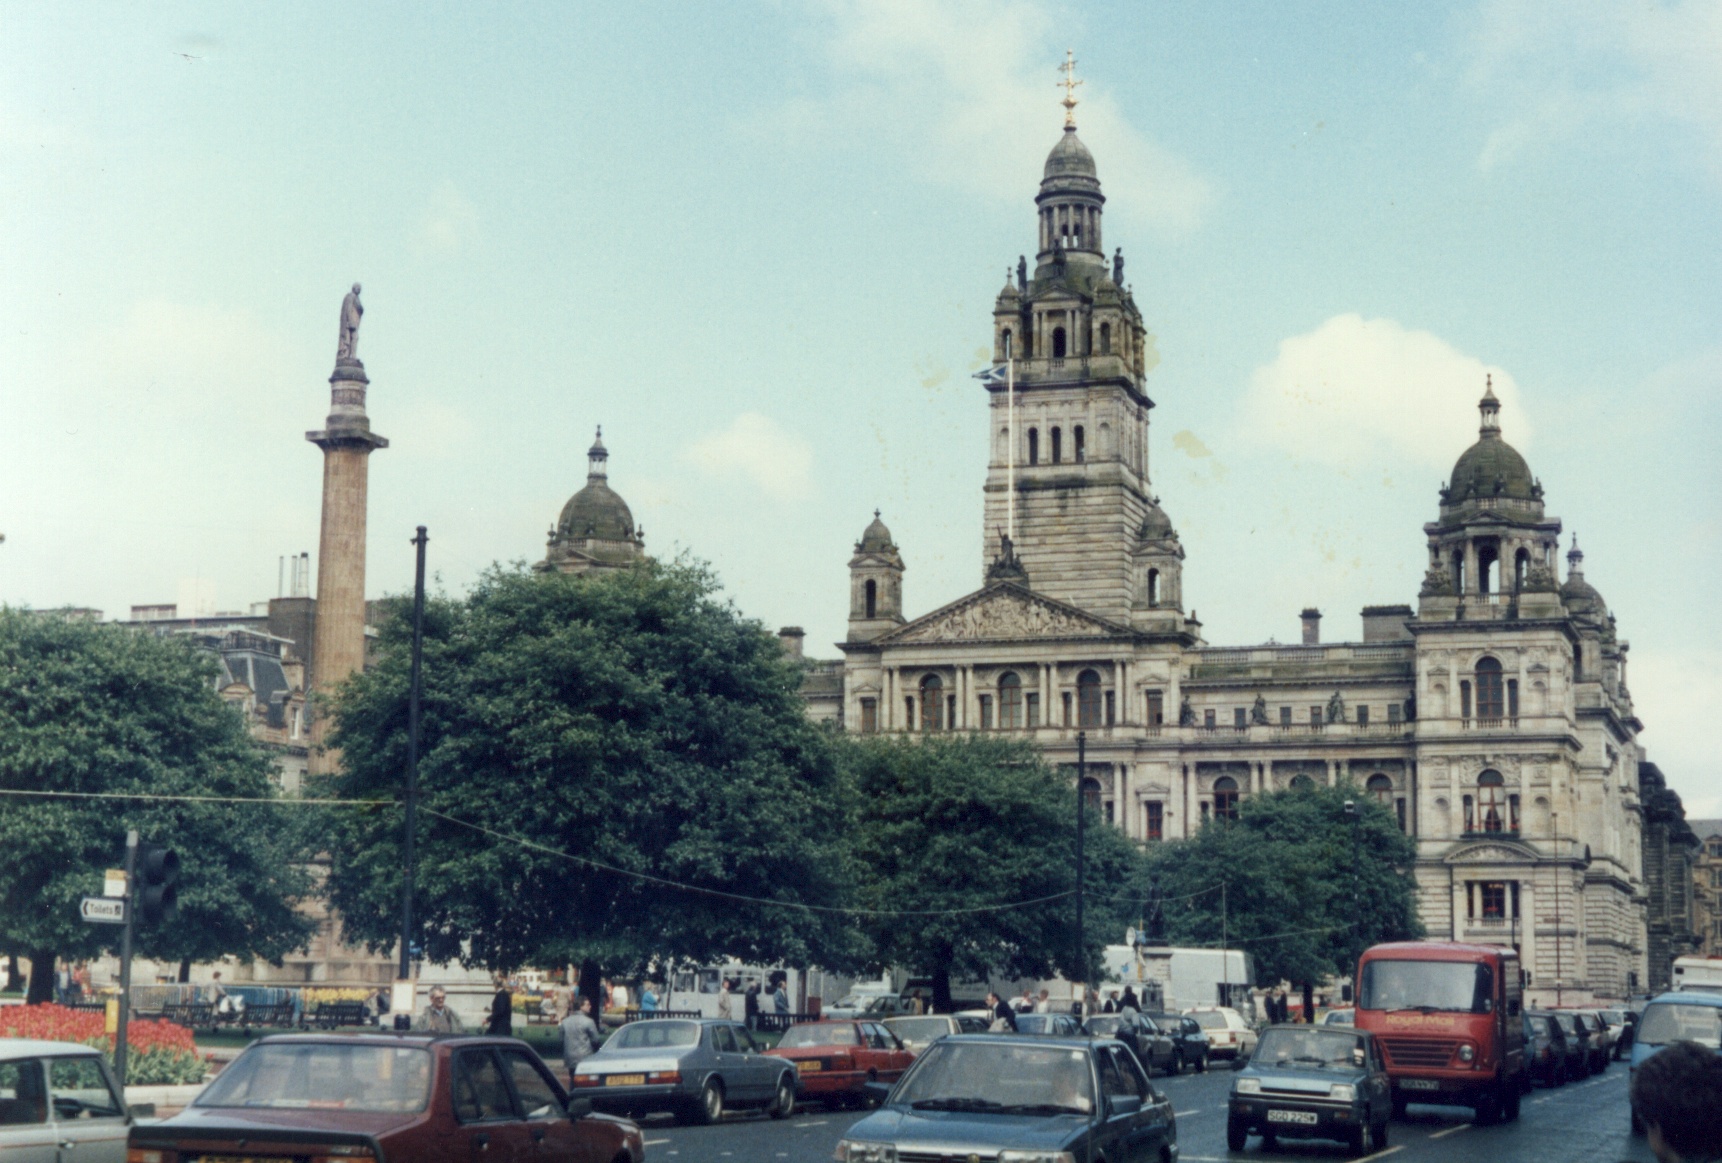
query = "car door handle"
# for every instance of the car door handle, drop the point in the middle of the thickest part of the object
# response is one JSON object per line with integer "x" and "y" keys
{"x": 68, "y": 1145}
{"x": 537, "y": 1134}
{"x": 481, "y": 1141}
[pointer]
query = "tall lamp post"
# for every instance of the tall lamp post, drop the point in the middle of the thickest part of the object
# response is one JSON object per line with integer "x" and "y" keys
{"x": 1356, "y": 892}
{"x": 1081, "y": 961}
{"x": 403, "y": 1019}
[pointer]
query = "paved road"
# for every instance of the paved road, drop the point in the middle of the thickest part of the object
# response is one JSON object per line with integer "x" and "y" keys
{"x": 1580, "y": 1122}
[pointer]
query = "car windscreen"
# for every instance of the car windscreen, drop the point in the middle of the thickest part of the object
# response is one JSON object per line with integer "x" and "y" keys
{"x": 1105, "y": 1027}
{"x": 1211, "y": 1020}
{"x": 920, "y": 1029}
{"x": 999, "y": 1078}
{"x": 1667, "y": 1021}
{"x": 1035, "y": 1024}
{"x": 835, "y": 1035}
{"x": 652, "y": 1035}
{"x": 1428, "y": 986}
{"x": 348, "y": 1076}
{"x": 1311, "y": 1047}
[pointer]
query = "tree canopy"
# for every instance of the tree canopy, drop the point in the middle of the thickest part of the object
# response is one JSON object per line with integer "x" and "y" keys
{"x": 1307, "y": 885}
{"x": 90, "y": 708}
{"x": 952, "y": 823}
{"x": 631, "y": 720}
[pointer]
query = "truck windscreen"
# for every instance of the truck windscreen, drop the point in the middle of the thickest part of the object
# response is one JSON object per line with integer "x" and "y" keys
{"x": 1428, "y": 986}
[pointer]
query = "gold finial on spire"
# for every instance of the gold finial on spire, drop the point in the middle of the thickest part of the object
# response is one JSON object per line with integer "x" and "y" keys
{"x": 1069, "y": 85}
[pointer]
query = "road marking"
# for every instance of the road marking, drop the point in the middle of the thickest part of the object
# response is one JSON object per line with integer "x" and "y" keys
{"x": 1451, "y": 1131}
{"x": 820, "y": 1123}
{"x": 656, "y": 1142}
{"x": 1381, "y": 1154}
{"x": 1187, "y": 1114}
{"x": 1202, "y": 1159}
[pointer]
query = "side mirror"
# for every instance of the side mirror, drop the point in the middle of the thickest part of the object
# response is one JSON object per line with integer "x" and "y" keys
{"x": 1123, "y": 1104}
{"x": 141, "y": 1110}
{"x": 579, "y": 1108}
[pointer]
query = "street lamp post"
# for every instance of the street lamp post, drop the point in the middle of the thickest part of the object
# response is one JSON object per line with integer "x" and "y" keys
{"x": 1081, "y": 961}
{"x": 412, "y": 797}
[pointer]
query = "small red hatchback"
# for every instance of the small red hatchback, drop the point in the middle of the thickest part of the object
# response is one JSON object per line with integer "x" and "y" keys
{"x": 379, "y": 1097}
{"x": 836, "y": 1060}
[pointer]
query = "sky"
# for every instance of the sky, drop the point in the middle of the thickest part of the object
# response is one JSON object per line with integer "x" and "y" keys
{"x": 759, "y": 243}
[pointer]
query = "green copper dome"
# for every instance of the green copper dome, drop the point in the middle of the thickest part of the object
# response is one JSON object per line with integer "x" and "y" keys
{"x": 596, "y": 511}
{"x": 1491, "y": 467}
{"x": 1070, "y": 158}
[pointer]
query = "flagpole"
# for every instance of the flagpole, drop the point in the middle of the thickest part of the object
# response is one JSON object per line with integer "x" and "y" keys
{"x": 1010, "y": 460}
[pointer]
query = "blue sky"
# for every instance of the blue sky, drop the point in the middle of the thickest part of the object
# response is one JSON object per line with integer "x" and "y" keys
{"x": 759, "y": 243}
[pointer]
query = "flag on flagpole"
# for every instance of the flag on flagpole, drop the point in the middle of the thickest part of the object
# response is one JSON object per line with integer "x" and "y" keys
{"x": 992, "y": 375}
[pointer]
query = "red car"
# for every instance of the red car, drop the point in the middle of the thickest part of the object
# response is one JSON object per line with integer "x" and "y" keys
{"x": 836, "y": 1060}
{"x": 386, "y": 1097}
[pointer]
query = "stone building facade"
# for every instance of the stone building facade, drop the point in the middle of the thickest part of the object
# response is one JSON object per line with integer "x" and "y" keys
{"x": 1493, "y": 718}
{"x": 1670, "y": 848}
{"x": 1707, "y": 887}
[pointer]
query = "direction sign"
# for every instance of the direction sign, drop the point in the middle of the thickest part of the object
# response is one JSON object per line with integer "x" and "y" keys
{"x": 104, "y": 911}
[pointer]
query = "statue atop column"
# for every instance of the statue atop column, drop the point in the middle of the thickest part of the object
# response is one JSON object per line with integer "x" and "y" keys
{"x": 1118, "y": 266}
{"x": 1021, "y": 272}
{"x": 351, "y": 312}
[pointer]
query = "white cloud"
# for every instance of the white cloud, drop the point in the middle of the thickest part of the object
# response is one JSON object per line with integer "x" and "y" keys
{"x": 1373, "y": 390}
{"x": 965, "y": 90}
{"x": 447, "y": 225}
{"x": 758, "y": 449}
{"x": 1559, "y": 69}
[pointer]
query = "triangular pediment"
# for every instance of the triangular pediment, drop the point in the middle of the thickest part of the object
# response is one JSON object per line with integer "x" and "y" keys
{"x": 1491, "y": 852}
{"x": 1002, "y": 612}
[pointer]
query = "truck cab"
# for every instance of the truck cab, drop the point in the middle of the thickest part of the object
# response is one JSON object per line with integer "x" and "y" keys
{"x": 1448, "y": 1017}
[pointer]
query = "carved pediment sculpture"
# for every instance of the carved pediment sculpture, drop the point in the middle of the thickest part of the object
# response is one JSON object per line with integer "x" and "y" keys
{"x": 1001, "y": 612}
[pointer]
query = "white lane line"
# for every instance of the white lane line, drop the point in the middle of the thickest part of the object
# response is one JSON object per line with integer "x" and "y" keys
{"x": 1202, "y": 1158}
{"x": 656, "y": 1142}
{"x": 1187, "y": 1114}
{"x": 1382, "y": 1154}
{"x": 1451, "y": 1131}
{"x": 812, "y": 1123}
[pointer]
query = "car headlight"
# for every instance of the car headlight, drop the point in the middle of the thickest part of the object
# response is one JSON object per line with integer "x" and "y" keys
{"x": 1342, "y": 1091}
{"x": 1036, "y": 1157}
{"x": 852, "y": 1151}
{"x": 1247, "y": 1086}
{"x": 1467, "y": 1053}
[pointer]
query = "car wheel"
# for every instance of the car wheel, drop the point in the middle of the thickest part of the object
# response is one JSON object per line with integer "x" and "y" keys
{"x": 1488, "y": 1108}
{"x": 1510, "y": 1108}
{"x": 1237, "y": 1137}
{"x": 1363, "y": 1140}
{"x": 783, "y": 1105}
{"x": 710, "y": 1108}
{"x": 1381, "y": 1133}
{"x": 1177, "y": 1064}
{"x": 1202, "y": 1064}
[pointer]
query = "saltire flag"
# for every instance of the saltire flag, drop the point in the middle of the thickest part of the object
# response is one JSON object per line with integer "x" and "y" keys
{"x": 992, "y": 375}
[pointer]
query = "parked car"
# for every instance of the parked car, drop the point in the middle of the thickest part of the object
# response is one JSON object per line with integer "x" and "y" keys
{"x": 1153, "y": 1047}
{"x": 1601, "y": 1040}
{"x": 1621, "y": 1021}
{"x": 1311, "y": 1082}
{"x": 1546, "y": 1049}
{"x": 695, "y": 1068}
{"x": 1048, "y": 1025}
{"x": 1577, "y": 1037}
{"x": 919, "y": 1033}
{"x": 1229, "y": 1036}
{"x": 387, "y": 1096}
{"x": 971, "y": 1095}
{"x": 57, "y": 1096}
{"x": 1345, "y": 1017}
{"x": 835, "y": 1061}
{"x": 1189, "y": 1038}
{"x": 1684, "y": 1015}
{"x": 856, "y": 1000}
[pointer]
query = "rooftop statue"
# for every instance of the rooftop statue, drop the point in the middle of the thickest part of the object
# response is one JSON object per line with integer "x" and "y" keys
{"x": 351, "y": 312}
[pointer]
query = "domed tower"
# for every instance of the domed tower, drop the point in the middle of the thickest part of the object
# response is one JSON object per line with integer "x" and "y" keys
{"x": 596, "y": 529}
{"x": 875, "y": 584}
{"x": 1160, "y": 568}
{"x": 1492, "y": 546}
{"x": 1074, "y": 448}
{"x": 1599, "y": 655}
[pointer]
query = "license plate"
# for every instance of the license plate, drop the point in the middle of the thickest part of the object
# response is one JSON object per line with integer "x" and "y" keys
{"x": 1419, "y": 1084}
{"x": 624, "y": 1080}
{"x": 809, "y": 1067}
{"x": 1306, "y": 1118}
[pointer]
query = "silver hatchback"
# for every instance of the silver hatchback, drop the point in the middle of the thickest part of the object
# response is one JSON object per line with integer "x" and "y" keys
{"x": 59, "y": 1096}
{"x": 695, "y": 1068}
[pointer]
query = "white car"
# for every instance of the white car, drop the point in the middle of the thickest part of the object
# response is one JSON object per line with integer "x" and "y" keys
{"x": 58, "y": 1099}
{"x": 917, "y": 1033}
{"x": 1229, "y": 1036}
{"x": 856, "y": 1003}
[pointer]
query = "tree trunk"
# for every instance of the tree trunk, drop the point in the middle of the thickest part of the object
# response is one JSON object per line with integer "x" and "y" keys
{"x": 41, "y": 977}
{"x": 185, "y": 971}
{"x": 591, "y": 985}
{"x": 1309, "y": 1003}
{"x": 942, "y": 984}
{"x": 14, "y": 979}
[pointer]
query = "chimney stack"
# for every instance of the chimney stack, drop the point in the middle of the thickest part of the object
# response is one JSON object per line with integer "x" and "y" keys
{"x": 1311, "y": 626}
{"x": 790, "y": 639}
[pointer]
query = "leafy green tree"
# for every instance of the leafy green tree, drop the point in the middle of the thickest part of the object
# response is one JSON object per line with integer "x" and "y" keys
{"x": 90, "y": 708}
{"x": 632, "y": 720}
{"x": 949, "y": 824}
{"x": 1307, "y": 885}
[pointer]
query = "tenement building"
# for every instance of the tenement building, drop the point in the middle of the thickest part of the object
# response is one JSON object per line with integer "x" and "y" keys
{"x": 1492, "y": 719}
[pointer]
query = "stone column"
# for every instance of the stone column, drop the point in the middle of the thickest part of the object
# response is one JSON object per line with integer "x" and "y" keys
{"x": 339, "y": 635}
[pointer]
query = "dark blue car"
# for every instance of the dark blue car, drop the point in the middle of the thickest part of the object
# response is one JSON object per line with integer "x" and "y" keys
{"x": 1312, "y": 1082}
{"x": 975, "y": 1095}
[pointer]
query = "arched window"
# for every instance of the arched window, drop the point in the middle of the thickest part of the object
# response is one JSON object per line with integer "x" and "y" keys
{"x": 1302, "y": 783}
{"x": 1491, "y": 699}
{"x": 1010, "y": 700}
{"x": 932, "y": 703}
{"x": 1057, "y": 445}
{"x": 1225, "y": 798}
{"x": 1521, "y": 563}
{"x": 1153, "y": 587}
{"x": 1488, "y": 576}
{"x": 1058, "y": 343}
{"x": 872, "y": 598}
{"x": 1091, "y": 794}
{"x": 1380, "y": 789}
{"x": 1088, "y": 699}
{"x": 1491, "y": 802}
{"x": 1034, "y": 446}
{"x": 1005, "y": 342}
{"x": 1078, "y": 449}
{"x": 1106, "y": 339}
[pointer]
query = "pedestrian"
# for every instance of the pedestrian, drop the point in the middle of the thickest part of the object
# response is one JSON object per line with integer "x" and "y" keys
{"x": 1676, "y": 1094}
{"x": 750, "y": 1006}
{"x": 1044, "y": 1005}
{"x": 780, "y": 998}
{"x": 501, "y": 1023}
{"x": 724, "y": 1008}
{"x": 437, "y": 1017}
{"x": 648, "y": 998}
{"x": 1128, "y": 1003}
{"x": 580, "y": 1036}
{"x": 1025, "y": 1003}
{"x": 1004, "y": 1018}
{"x": 1111, "y": 1006}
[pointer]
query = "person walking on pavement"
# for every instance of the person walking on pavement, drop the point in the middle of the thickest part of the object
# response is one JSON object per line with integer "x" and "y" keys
{"x": 580, "y": 1036}
{"x": 1025, "y": 1003}
{"x": 1676, "y": 1093}
{"x": 780, "y": 998}
{"x": 437, "y": 1017}
{"x": 501, "y": 1023}
{"x": 648, "y": 999}
{"x": 1128, "y": 1003}
{"x": 1004, "y": 1018}
{"x": 1044, "y": 1005}
{"x": 750, "y": 1006}
{"x": 725, "y": 1010}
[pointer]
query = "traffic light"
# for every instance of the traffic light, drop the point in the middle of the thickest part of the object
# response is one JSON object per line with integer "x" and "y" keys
{"x": 158, "y": 873}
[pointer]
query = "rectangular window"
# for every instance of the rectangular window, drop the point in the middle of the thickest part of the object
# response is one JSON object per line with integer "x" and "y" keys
{"x": 909, "y": 711}
{"x": 1208, "y": 718}
{"x": 1240, "y": 717}
{"x": 1111, "y": 708}
{"x": 1513, "y": 813}
{"x": 1156, "y": 708}
{"x": 1315, "y": 716}
{"x": 1156, "y": 820}
{"x": 1494, "y": 900}
{"x": 1471, "y": 899}
{"x": 1464, "y": 700}
{"x": 986, "y": 712}
{"x": 1066, "y": 698}
{"x": 1470, "y": 815}
{"x": 1512, "y": 698}
{"x": 1032, "y": 702}
{"x": 1362, "y": 715}
{"x": 1285, "y": 716}
{"x": 1395, "y": 713}
{"x": 869, "y": 716}
{"x": 1399, "y": 810}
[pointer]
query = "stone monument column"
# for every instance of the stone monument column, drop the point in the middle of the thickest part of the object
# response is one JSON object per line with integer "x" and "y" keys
{"x": 347, "y": 443}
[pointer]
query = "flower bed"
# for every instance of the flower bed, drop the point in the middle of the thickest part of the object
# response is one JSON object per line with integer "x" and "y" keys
{"x": 159, "y": 1053}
